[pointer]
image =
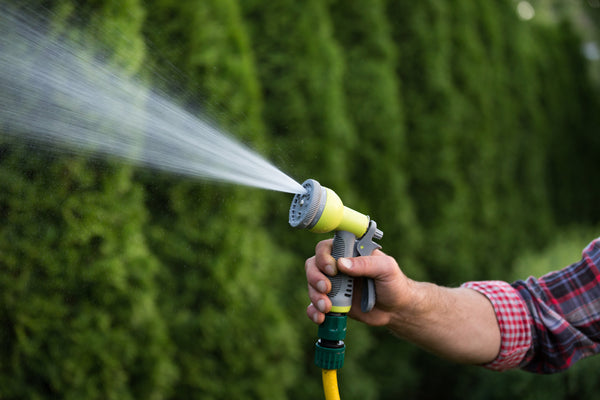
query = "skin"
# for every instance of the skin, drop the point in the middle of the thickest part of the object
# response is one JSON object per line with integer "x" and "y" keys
{"x": 458, "y": 324}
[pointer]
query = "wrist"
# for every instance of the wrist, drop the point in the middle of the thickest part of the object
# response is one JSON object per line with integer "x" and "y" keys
{"x": 413, "y": 308}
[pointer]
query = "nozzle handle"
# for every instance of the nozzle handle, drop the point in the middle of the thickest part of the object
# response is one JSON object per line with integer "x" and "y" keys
{"x": 342, "y": 285}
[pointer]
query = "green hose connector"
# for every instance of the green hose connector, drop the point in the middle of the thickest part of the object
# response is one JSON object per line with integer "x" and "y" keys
{"x": 334, "y": 327}
{"x": 330, "y": 349}
{"x": 329, "y": 357}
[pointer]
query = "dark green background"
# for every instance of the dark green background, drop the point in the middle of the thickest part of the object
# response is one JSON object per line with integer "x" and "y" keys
{"x": 470, "y": 135}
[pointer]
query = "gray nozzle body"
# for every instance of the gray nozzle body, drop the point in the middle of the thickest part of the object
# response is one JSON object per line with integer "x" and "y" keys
{"x": 305, "y": 212}
{"x": 307, "y": 207}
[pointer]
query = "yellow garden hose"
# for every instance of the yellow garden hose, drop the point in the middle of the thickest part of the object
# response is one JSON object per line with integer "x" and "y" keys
{"x": 330, "y": 384}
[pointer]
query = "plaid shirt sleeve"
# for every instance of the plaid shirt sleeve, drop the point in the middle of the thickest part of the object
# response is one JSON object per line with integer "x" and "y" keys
{"x": 514, "y": 322}
{"x": 547, "y": 324}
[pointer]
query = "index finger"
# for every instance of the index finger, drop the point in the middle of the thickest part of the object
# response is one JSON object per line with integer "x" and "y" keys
{"x": 323, "y": 258}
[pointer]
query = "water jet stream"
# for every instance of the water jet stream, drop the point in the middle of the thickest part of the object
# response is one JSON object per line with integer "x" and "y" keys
{"x": 53, "y": 92}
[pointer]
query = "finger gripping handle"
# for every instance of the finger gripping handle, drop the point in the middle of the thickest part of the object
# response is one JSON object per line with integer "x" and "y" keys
{"x": 342, "y": 285}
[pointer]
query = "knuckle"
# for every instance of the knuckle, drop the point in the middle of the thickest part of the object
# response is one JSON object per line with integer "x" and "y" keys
{"x": 391, "y": 261}
{"x": 323, "y": 246}
{"x": 309, "y": 263}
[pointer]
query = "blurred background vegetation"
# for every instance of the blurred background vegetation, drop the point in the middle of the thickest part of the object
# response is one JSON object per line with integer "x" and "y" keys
{"x": 468, "y": 130}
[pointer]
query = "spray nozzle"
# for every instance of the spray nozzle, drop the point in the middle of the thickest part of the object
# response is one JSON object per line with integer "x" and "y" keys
{"x": 320, "y": 210}
{"x": 306, "y": 206}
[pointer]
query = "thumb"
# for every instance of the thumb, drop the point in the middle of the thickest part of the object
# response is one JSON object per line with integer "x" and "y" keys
{"x": 375, "y": 267}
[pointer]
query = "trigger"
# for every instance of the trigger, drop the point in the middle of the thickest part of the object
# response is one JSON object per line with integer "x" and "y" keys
{"x": 367, "y": 301}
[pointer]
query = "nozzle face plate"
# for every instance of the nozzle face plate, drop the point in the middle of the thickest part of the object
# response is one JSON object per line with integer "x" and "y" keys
{"x": 305, "y": 206}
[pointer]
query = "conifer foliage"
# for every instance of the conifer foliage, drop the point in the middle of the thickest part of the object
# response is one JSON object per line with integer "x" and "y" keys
{"x": 79, "y": 308}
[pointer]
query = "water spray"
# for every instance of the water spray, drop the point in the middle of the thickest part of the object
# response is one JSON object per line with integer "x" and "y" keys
{"x": 57, "y": 93}
{"x": 320, "y": 210}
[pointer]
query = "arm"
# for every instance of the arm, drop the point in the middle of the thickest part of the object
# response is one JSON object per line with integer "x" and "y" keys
{"x": 458, "y": 324}
{"x": 541, "y": 325}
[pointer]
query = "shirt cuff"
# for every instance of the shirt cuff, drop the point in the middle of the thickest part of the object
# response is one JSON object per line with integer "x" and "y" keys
{"x": 513, "y": 319}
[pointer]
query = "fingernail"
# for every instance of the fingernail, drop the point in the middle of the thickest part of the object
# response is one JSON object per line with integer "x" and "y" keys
{"x": 330, "y": 270}
{"x": 346, "y": 263}
{"x": 315, "y": 318}
{"x": 322, "y": 286}
{"x": 321, "y": 305}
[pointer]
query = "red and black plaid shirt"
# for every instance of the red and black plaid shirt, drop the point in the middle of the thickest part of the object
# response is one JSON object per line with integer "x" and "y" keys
{"x": 547, "y": 324}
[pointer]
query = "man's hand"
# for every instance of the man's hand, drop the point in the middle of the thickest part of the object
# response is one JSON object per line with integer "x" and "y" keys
{"x": 394, "y": 290}
{"x": 455, "y": 323}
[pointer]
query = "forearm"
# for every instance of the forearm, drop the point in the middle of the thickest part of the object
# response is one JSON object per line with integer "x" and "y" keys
{"x": 457, "y": 324}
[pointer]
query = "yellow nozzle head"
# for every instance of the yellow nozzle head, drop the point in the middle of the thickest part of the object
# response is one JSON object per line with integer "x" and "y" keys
{"x": 321, "y": 210}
